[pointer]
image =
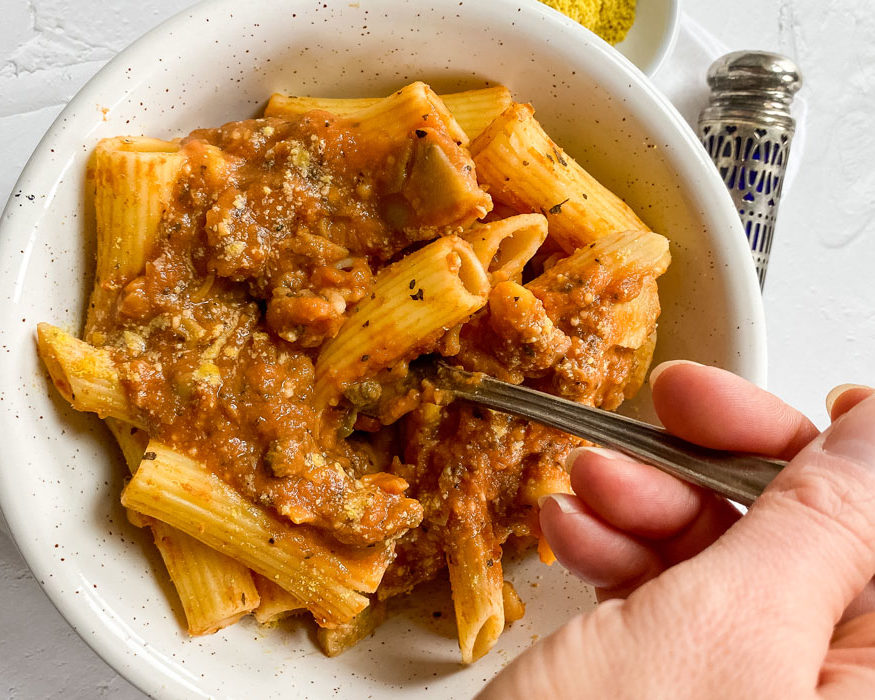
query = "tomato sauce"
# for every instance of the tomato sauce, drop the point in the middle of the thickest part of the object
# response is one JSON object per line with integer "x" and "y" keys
{"x": 276, "y": 229}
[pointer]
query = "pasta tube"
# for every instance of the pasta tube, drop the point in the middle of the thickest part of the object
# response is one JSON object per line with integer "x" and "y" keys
{"x": 548, "y": 479}
{"x": 641, "y": 361}
{"x": 324, "y": 576}
{"x": 275, "y": 602}
{"x": 505, "y": 246}
{"x": 634, "y": 320}
{"x": 514, "y": 607}
{"x": 415, "y": 106}
{"x": 336, "y": 641}
{"x": 523, "y": 168}
{"x": 84, "y": 375}
{"x": 473, "y": 110}
{"x": 286, "y": 106}
{"x": 474, "y": 563}
{"x": 131, "y": 440}
{"x": 631, "y": 256}
{"x": 215, "y": 591}
{"x": 133, "y": 184}
{"x": 476, "y": 109}
{"x": 414, "y": 301}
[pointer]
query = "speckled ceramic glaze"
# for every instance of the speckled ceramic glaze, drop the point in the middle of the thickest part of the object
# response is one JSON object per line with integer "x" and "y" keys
{"x": 60, "y": 475}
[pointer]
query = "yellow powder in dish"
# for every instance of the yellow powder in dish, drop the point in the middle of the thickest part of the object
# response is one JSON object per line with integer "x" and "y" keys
{"x": 610, "y": 19}
{"x": 615, "y": 20}
{"x": 584, "y": 11}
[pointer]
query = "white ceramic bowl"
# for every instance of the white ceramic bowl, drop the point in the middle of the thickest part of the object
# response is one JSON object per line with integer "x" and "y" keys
{"x": 60, "y": 476}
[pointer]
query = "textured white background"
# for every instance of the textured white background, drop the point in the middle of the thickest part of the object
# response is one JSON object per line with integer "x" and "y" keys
{"x": 820, "y": 296}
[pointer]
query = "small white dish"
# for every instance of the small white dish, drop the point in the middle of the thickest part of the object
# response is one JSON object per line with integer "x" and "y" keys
{"x": 653, "y": 34}
{"x": 60, "y": 476}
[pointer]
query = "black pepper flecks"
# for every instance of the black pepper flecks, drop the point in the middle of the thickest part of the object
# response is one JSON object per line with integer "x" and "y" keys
{"x": 559, "y": 157}
{"x": 557, "y": 208}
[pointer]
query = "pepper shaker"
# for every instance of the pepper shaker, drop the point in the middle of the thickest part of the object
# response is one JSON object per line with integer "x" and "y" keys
{"x": 747, "y": 130}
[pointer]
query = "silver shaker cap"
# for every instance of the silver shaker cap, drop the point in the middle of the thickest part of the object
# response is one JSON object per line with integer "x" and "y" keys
{"x": 755, "y": 86}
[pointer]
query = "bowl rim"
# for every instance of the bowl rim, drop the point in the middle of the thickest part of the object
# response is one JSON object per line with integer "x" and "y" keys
{"x": 94, "y": 630}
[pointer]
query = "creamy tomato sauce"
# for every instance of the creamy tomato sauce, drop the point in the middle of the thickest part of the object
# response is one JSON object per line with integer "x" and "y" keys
{"x": 276, "y": 229}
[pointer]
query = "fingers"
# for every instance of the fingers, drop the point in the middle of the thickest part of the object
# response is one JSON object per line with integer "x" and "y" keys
{"x": 714, "y": 518}
{"x": 805, "y": 547}
{"x": 630, "y": 522}
{"x": 844, "y": 397}
{"x": 715, "y": 408}
{"x": 592, "y": 549}
{"x": 630, "y": 496}
{"x": 856, "y": 633}
{"x": 863, "y": 604}
{"x": 849, "y": 667}
{"x": 563, "y": 665}
{"x": 848, "y": 679}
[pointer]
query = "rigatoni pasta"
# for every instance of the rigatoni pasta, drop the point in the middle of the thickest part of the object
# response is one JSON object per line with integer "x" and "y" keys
{"x": 525, "y": 169}
{"x": 634, "y": 318}
{"x": 514, "y": 607}
{"x": 413, "y": 302}
{"x": 473, "y": 110}
{"x": 261, "y": 289}
{"x": 133, "y": 178}
{"x": 133, "y": 181}
{"x": 504, "y": 246}
{"x": 215, "y": 590}
{"x": 476, "y": 578}
{"x": 274, "y": 602}
{"x": 334, "y": 641}
{"x": 175, "y": 489}
{"x": 85, "y": 375}
{"x": 414, "y": 106}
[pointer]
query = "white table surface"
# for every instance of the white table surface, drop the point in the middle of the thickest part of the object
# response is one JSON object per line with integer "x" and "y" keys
{"x": 819, "y": 298}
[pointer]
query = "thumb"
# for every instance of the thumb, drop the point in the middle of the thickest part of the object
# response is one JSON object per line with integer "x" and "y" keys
{"x": 808, "y": 543}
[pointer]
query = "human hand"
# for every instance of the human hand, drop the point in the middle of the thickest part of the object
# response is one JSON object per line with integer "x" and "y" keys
{"x": 718, "y": 605}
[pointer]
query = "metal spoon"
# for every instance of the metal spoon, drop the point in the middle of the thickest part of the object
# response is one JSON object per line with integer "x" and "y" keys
{"x": 738, "y": 477}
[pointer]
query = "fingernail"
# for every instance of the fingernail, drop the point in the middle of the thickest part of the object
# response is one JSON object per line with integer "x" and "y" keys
{"x": 660, "y": 368}
{"x": 851, "y": 436}
{"x": 834, "y": 395}
{"x": 577, "y": 451}
{"x": 566, "y": 502}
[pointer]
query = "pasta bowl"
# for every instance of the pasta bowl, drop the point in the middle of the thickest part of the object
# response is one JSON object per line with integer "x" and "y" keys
{"x": 60, "y": 477}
